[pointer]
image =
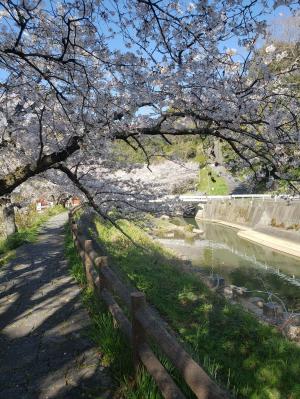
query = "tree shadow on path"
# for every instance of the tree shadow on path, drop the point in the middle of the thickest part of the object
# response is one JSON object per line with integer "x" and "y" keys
{"x": 44, "y": 347}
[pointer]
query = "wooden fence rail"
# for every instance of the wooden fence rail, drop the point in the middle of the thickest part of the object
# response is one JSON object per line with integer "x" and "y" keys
{"x": 144, "y": 324}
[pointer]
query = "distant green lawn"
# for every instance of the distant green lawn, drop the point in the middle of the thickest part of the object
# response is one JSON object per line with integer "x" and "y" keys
{"x": 210, "y": 183}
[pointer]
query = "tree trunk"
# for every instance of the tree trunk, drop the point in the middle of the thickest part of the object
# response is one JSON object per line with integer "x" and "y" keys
{"x": 9, "y": 219}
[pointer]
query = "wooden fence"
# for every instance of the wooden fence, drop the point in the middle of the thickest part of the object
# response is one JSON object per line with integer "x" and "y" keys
{"x": 144, "y": 325}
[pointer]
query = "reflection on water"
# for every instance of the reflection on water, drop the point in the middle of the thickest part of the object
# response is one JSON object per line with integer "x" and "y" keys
{"x": 241, "y": 262}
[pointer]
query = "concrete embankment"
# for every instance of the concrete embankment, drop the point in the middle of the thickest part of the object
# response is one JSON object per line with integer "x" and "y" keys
{"x": 273, "y": 223}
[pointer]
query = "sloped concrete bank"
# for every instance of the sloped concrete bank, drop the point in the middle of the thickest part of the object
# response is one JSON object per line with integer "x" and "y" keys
{"x": 272, "y": 223}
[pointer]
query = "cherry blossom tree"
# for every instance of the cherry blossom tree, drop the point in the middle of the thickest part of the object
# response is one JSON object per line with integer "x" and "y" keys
{"x": 78, "y": 75}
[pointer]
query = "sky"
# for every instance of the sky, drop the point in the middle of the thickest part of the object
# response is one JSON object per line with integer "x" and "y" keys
{"x": 280, "y": 12}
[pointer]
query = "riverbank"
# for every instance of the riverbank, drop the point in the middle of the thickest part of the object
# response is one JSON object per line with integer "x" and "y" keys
{"x": 271, "y": 240}
{"x": 249, "y": 358}
{"x": 278, "y": 244}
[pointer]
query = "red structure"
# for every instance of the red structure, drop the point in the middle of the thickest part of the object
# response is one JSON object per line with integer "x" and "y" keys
{"x": 42, "y": 203}
{"x": 75, "y": 201}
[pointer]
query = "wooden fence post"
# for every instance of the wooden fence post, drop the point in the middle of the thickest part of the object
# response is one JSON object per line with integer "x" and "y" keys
{"x": 88, "y": 246}
{"x": 74, "y": 230}
{"x": 100, "y": 262}
{"x": 138, "y": 302}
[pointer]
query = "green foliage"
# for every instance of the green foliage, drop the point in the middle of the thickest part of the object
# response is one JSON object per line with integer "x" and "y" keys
{"x": 27, "y": 233}
{"x": 7, "y": 256}
{"x": 285, "y": 58}
{"x": 287, "y": 55}
{"x": 184, "y": 148}
{"x": 210, "y": 183}
{"x": 250, "y": 358}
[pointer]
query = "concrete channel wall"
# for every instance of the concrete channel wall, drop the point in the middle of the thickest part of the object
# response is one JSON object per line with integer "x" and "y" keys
{"x": 274, "y": 223}
{"x": 253, "y": 212}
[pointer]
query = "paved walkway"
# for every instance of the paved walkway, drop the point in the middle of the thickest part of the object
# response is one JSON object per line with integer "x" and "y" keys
{"x": 44, "y": 348}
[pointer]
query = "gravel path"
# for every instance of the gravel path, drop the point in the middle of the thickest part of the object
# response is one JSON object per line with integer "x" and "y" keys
{"x": 44, "y": 348}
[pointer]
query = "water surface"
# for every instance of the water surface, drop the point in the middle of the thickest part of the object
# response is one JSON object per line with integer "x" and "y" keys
{"x": 221, "y": 251}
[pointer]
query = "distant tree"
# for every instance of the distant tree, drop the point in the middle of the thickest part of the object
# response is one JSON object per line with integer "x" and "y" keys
{"x": 285, "y": 29}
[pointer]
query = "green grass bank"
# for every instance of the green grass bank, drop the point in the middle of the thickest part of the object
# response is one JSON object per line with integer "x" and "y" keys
{"x": 251, "y": 359}
{"x": 210, "y": 183}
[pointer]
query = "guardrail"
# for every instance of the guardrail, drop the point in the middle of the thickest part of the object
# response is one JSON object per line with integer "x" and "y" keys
{"x": 205, "y": 198}
{"x": 145, "y": 324}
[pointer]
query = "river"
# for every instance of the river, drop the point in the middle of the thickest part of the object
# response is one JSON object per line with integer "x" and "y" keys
{"x": 240, "y": 262}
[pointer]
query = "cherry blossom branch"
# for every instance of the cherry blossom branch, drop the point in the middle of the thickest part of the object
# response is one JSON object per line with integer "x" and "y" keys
{"x": 23, "y": 173}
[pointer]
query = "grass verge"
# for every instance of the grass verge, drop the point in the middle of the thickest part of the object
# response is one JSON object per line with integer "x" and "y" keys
{"x": 252, "y": 359}
{"x": 26, "y": 234}
{"x": 115, "y": 349}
